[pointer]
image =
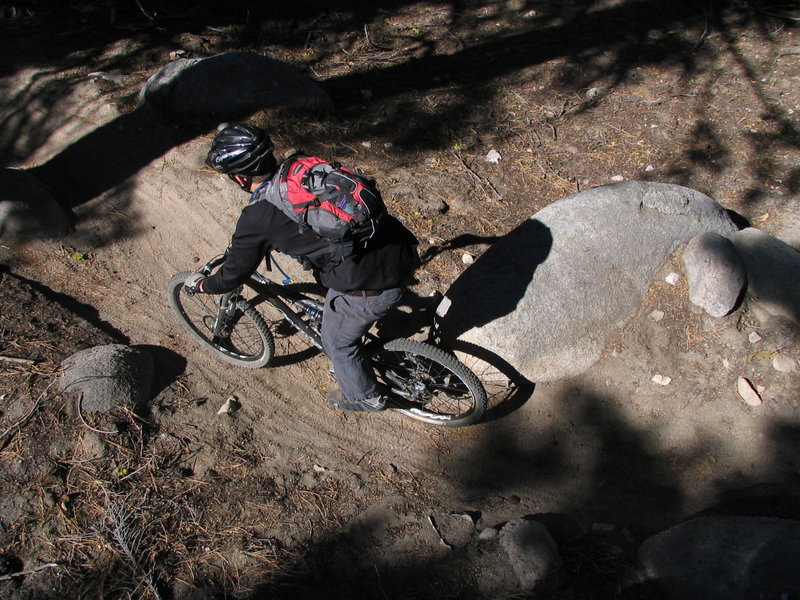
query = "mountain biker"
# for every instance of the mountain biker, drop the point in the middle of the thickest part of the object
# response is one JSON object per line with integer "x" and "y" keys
{"x": 362, "y": 287}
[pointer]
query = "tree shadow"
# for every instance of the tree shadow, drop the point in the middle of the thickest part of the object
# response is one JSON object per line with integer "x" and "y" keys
{"x": 110, "y": 154}
{"x": 460, "y": 241}
{"x": 599, "y": 42}
{"x": 581, "y": 445}
{"x": 84, "y": 311}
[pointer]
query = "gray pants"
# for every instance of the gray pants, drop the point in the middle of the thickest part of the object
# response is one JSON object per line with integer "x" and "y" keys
{"x": 345, "y": 321}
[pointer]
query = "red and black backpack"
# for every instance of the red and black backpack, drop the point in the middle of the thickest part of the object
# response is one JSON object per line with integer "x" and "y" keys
{"x": 339, "y": 205}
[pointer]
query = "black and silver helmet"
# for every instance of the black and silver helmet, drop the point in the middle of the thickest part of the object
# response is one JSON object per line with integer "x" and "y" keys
{"x": 241, "y": 149}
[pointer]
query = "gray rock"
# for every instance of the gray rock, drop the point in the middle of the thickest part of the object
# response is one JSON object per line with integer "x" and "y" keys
{"x": 715, "y": 273}
{"x": 456, "y": 530}
{"x": 108, "y": 377}
{"x": 28, "y": 209}
{"x": 773, "y": 272}
{"x": 549, "y": 296}
{"x": 726, "y": 558}
{"x": 230, "y": 83}
{"x": 513, "y": 560}
{"x": 784, "y": 364}
{"x": 532, "y": 551}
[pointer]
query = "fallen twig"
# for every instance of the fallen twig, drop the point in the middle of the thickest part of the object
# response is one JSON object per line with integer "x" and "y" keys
{"x": 28, "y": 572}
{"x": 85, "y": 424}
{"x": 19, "y": 424}
{"x": 125, "y": 532}
{"x": 20, "y": 361}
{"x": 482, "y": 181}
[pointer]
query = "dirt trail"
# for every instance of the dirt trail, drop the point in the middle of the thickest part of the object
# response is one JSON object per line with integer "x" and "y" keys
{"x": 601, "y": 442}
{"x": 610, "y": 449}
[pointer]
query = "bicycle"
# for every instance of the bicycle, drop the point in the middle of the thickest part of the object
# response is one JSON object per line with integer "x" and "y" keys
{"x": 423, "y": 382}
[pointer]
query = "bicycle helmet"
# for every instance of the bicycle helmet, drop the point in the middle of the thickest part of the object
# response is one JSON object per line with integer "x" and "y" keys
{"x": 241, "y": 149}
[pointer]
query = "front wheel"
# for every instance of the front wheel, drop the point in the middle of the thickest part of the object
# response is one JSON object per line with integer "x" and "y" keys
{"x": 247, "y": 341}
{"x": 428, "y": 384}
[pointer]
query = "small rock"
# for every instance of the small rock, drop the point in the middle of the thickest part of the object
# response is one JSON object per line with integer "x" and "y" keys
{"x": 661, "y": 379}
{"x": 754, "y": 337}
{"x": 318, "y": 469}
{"x": 493, "y": 156}
{"x": 532, "y": 551}
{"x": 115, "y": 78}
{"x": 656, "y": 315}
{"x": 231, "y": 406}
{"x": 649, "y": 168}
{"x": 748, "y": 392}
{"x": 726, "y": 363}
{"x": 594, "y": 93}
{"x": 430, "y": 160}
{"x": 784, "y": 364}
{"x": 467, "y": 259}
{"x": 673, "y": 278}
{"x": 617, "y": 178}
{"x": 488, "y": 534}
{"x": 715, "y": 273}
{"x": 366, "y": 144}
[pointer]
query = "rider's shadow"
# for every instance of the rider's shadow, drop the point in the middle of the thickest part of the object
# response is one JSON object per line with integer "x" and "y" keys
{"x": 412, "y": 318}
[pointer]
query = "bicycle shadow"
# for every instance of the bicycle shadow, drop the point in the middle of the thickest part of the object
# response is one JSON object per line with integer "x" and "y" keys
{"x": 291, "y": 347}
{"x": 507, "y": 390}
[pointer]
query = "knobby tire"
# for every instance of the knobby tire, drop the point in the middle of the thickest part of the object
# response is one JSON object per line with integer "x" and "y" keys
{"x": 428, "y": 384}
{"x": 250, "y": 344}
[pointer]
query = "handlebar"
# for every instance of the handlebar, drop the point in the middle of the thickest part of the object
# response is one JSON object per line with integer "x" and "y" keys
{"x": 213, "y": 264}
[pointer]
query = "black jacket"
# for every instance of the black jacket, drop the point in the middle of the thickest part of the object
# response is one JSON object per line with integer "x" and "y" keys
{"x": 389, "y": 260}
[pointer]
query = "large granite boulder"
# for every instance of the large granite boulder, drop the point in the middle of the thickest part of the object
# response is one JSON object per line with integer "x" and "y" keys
{"x": 548, "y": 297}
{"x": 725, "y": 558}
{"x": 230, "y": 83}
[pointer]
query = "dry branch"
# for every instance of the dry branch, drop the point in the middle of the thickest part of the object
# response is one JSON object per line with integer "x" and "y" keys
{"x": 28, "y": 572}
{"x": 19, "y": 361}
{"x": 21, "y": 423}
{"x": 482, "y": 181}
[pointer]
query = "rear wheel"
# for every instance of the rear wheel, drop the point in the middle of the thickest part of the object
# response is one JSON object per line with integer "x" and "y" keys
{"x": 428, "y": 384}
{"x": 247, "y": 341}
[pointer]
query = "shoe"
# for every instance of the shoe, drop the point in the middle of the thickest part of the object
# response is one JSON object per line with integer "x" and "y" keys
{"x": 373, "y": 404}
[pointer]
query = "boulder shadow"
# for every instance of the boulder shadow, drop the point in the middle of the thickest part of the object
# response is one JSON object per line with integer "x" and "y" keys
{"x": 168, "y": 365}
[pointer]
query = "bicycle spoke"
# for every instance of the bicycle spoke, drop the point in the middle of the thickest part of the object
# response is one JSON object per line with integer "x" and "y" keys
{"x": 240, "y": 338}
{"x": 444, "y": 393}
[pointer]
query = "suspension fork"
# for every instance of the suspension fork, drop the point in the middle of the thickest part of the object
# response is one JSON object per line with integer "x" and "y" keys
{"x": 228, "y": 304}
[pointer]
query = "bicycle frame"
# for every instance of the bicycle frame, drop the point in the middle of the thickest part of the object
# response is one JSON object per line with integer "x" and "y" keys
{"x": 424, "y": 382}
{"x": 273, "y": 293}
